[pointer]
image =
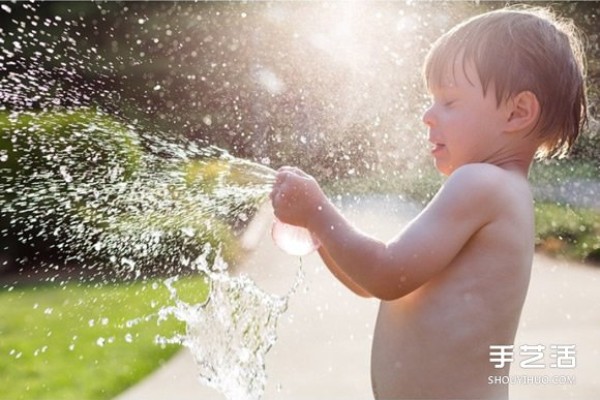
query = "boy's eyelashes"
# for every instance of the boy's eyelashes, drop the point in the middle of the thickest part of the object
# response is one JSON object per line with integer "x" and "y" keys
{"x": 443, "y": 102}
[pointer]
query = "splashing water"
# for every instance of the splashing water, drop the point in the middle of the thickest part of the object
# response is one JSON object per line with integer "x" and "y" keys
{"x": 84, "y": 186}
{"x": 243, "y": 321}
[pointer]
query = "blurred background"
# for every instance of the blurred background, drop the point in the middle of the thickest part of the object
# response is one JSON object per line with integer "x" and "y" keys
{"x": 333, "y": 87}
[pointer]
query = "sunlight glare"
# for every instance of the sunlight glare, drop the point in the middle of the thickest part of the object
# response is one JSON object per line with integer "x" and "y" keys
{"x": 343, "y": 35}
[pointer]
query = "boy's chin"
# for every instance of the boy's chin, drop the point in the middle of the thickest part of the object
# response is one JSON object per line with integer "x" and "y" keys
{"x": 444, "y": 169}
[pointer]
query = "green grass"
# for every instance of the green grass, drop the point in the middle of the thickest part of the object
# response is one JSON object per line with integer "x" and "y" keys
{"x": 74, "y": 341}
{"x": 568, "y": 232}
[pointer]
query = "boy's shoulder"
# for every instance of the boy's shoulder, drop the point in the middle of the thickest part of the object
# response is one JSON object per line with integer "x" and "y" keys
{"x": 481, "y": 184}
{"x": 484, "y": 176}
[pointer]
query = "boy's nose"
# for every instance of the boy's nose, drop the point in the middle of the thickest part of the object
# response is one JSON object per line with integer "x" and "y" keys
{"x": 427, "y": 117}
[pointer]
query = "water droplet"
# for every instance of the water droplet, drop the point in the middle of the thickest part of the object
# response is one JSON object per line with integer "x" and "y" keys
{"x": 188, "y": 231}
{"x": 65, "y": 174}
{"x": 126, "y": 262}
{"x": 244, "y": 355}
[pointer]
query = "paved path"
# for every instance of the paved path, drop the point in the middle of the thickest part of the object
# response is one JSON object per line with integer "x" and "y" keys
{"x": 323, "y": 348}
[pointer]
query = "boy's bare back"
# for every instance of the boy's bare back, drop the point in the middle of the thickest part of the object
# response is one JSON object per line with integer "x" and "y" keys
{"x": 434, "y": 342}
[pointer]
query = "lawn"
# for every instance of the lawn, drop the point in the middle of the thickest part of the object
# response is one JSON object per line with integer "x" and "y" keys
{"x": 84, "y": 341}
{"x": 568, "y": 232}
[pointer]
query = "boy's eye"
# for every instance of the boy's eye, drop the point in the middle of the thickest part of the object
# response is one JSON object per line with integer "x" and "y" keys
{"x": 449, "y": 103}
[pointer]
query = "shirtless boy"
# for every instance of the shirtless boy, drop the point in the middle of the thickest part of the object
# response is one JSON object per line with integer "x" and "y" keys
{"x": 505, "y": 86}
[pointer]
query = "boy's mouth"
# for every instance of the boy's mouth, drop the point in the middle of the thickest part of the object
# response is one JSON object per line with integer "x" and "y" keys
{"x": 437, "y": 147}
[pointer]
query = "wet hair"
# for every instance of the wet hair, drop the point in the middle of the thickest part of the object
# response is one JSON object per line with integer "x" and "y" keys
{"x": 522, "y": 50}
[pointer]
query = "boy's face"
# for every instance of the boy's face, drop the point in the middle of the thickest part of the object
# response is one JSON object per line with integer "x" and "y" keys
{"x": 464, "y": 125}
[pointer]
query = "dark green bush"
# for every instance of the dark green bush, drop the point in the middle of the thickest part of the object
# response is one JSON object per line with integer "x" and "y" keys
{"x": 78, "y": 186}
{"x": 72, "y": 145}
{"x": 49, "y": 163}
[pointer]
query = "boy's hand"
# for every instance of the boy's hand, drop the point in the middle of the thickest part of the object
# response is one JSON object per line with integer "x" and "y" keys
{"x": 296, "y": 196}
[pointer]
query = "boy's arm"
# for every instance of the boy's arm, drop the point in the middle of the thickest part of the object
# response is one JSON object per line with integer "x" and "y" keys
{"x": 340, "y": 274}
{"x": 468, "y": 201}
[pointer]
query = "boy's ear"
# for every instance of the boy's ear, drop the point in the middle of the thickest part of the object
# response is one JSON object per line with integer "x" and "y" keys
{"x": 524, "y": 111}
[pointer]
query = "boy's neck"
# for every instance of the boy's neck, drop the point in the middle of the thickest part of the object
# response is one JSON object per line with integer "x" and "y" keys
{"x": 518, "y": 162}
{"x": 516, "y": 155}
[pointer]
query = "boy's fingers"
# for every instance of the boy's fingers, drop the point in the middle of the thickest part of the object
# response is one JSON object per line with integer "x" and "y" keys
{"x": 302, "y": 173}
{"x": 279, "y": 178}
{"x": 277, "y": 200}
{"x": 285, "y": 168}
{"x": 295, "y": 171}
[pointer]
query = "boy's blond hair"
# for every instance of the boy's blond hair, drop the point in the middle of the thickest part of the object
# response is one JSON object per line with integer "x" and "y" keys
{"x": 523, "y": 50}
